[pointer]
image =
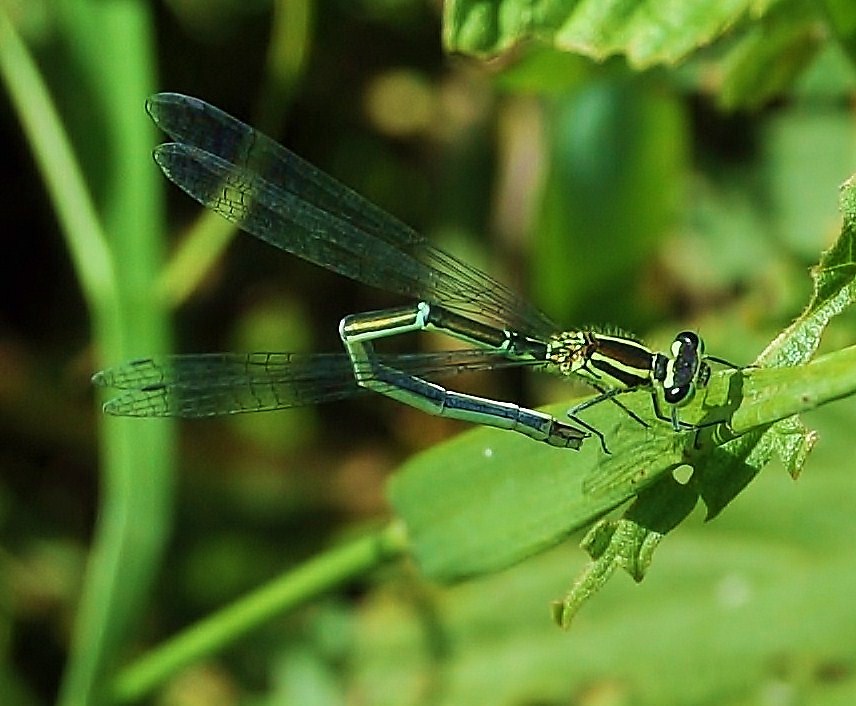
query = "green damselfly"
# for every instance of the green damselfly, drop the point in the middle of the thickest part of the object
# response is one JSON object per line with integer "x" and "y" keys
{"x": 273, "y": 194}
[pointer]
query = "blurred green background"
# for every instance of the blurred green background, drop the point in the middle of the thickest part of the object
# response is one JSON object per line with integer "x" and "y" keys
{"x": 688, "y": 190}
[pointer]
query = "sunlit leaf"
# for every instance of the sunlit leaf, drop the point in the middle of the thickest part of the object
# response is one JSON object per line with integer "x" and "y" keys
{"x": 647, "y": 32}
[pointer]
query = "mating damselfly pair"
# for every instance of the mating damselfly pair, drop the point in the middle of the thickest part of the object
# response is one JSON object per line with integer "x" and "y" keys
{"x": 276, "y": 196}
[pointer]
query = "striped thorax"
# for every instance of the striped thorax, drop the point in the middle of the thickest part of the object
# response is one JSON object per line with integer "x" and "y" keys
{"x": 614, "y": 363}
{"x": 605, "y": 360}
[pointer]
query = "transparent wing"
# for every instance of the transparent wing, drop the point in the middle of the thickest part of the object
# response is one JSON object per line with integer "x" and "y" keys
{"x": 214, "y": 384}
{"x": 276, "y": 196}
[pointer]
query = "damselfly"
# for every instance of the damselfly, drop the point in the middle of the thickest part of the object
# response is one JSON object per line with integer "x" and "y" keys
{"x": 276, "y": 196}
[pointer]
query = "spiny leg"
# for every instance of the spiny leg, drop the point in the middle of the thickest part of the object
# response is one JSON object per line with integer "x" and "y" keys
{"x": 610, "y": 395}
{"x": 593, "y": 430}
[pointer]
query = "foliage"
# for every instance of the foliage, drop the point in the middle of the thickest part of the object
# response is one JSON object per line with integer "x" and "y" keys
{"x": 658, "y": 165}
{"x": 502, "y": 504}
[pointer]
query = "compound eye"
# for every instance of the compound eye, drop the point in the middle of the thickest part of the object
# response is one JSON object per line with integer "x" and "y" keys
{"x": 689, "y": 339}
{"x": 679, "y": 396}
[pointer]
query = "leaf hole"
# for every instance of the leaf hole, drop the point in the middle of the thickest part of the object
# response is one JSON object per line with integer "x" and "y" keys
{"x": 683, "y": 473}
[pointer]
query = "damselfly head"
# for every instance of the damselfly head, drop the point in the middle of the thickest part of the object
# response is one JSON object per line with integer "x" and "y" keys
{"x": 685, "y": 369}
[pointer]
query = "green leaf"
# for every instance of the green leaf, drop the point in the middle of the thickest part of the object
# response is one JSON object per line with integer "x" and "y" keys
{"x": 807, "y": 154}
{"x": 617, "y": 142}
{"x": 489, "y": 498}
{"x": 767, "y": 589}
{"x": 770, "y": 55}
{"x": 648, "y": 32}
{"x": 834, "y": 291}
{"x": 485, "y": 500}
{"x": 766, "y": 394}
{"x": 842, "y": 20}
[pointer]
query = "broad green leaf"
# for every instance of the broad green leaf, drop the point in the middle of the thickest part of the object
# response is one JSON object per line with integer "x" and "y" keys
{"x": 767, "y": 590}
{"x": 647, "y": 32}
{"x": 842, "y": 19}
{"x": 489, "y": 499}
{"x": 787, "y": 387}
{"x": 806, "y": 156}
{"x": 615, "y": 142}
{"x": 766, "y": 60}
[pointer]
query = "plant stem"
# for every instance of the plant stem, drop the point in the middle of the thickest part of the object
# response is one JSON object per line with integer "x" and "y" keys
{"x": 59, "y": 167}
{"x": 289, "y": 591}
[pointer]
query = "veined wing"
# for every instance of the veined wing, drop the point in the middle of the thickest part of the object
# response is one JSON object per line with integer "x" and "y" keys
{"x": 275, "y": 195}
{"x": 214, "y": 384}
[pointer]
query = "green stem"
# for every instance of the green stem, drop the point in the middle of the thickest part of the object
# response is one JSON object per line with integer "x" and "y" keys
{"x": 210, "y": 235}
{"x": 285, "y": 593}
{"x": 55, "y": 157}
{"x": 194, "y": 258}
{"x": 773, "y": 394}
{"x": 115, "y": 273}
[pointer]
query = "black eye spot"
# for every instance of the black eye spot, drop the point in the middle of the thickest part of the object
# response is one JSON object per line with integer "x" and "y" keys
{"x": 689, "y": 338}
{"x": 678, "y": 395}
